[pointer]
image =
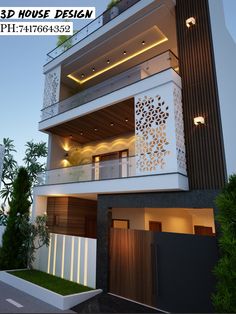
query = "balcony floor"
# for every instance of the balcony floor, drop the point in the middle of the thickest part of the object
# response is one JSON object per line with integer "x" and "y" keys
{"x": 148, "y": 183}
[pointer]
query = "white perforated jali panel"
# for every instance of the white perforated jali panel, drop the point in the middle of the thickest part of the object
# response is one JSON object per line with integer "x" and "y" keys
{"x": 151, "y": 139}
{"x": 179, "y": 130}
{"x": 52, "y": 87}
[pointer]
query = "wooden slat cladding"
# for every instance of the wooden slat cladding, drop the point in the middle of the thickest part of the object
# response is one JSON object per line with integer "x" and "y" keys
{"x": 204, "y": 143}
{"x": 131, "y": 274}
{"x": 71, "y": 215}
{"x": 100, "y": 120}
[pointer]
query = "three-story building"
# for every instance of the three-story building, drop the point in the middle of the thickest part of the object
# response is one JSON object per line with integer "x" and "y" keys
{"x": 140, "y": 116}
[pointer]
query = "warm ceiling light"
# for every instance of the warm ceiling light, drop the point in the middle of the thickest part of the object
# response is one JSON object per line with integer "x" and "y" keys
{"x": 111, "y": 124}
{"x": 95, "y": 129}
{"x": 190, "y": 22}
{"x": 108, "y": 61}
{"x": 113, "y": 65}
{"x": 199, "y": 120}
{"x": 125, "y": 52}
{"x": 143, "y": 42}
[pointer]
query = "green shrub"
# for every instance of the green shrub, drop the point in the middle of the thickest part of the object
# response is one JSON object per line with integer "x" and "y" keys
{"x": 112, "y": 3}
{"x": 224, "y": 299}
{"x": 13, "y": 238}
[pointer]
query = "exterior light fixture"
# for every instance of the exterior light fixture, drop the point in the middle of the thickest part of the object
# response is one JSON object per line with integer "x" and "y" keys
{"x": 95, "y": 129}
{"x": 93, "y": 69}
{"x": 191, "y": 21}
{"x": 199, "y": 120}
{"x": 71, "y": 137}
{"x": 111, "y": 124}
{"x": 108, "y": 61}
{"x": 82, "y": 75}
{"x": 143, "y": 42}
{"x": 126, "y": 120}
{"x": 125, "y": 52}
{"x": 81, "y": 133}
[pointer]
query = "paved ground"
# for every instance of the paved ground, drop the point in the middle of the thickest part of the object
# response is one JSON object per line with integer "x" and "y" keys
{"x": 15, "y": 301}
{"x": 105, "y": 303}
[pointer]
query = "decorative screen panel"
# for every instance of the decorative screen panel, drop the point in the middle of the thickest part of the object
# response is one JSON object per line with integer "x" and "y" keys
{"x": 52, "y": 87}
{"x": 159, "y": 131}
{"x": 151, "y": 117}
{"x": 179, "y": 130}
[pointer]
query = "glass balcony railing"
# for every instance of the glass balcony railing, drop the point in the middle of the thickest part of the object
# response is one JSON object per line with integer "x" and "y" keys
{"x": 97, "y": 23}
{"x": 139, "y": 72}
{"x": 110, "y": 169}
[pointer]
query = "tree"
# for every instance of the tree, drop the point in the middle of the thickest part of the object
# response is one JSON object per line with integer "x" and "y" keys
{"x": 36, "y": 235}
{"x": 33, "y": 153}
{"x": 3, "y": 217}
{"x": 224, "y": 299}
{"x": 9, "y": 170}
{"x": 13, "y": 237}
{"x": 33, "y": 163}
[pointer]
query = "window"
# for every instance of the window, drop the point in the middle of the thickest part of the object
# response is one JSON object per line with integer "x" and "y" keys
{"x": 120, "y": 223}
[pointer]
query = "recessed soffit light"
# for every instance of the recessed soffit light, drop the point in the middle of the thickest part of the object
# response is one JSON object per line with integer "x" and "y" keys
{"x": 123, "y": 60}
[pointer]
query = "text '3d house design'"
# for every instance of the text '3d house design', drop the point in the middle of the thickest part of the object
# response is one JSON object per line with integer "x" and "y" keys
{"x": 139, "y": 109}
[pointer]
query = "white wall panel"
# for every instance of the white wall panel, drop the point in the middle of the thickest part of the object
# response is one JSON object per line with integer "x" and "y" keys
{"x": 69, "y": 257}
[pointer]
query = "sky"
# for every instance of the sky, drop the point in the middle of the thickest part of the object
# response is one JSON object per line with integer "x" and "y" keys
{"x": 21, "y": 72}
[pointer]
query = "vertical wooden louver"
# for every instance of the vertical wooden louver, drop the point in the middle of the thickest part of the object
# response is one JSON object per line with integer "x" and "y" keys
{"x": 204, "y": 143}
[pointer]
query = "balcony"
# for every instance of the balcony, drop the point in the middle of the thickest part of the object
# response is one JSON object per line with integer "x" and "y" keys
{"x": 112, "y": 169}
{"x": 109, "y": 171}
{"x": 135, "y": 74}
{"x": 101, "y": 20}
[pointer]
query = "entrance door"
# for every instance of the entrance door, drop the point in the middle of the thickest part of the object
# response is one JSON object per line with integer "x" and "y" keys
{"x": 202, "y": 230}
{"x": 109, "y": 166}
{"x": 155, "y": 226}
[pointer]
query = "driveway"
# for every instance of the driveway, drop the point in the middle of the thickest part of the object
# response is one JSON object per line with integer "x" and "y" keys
{"x": 13, "y": 300}
{"x": 106, "y": 303}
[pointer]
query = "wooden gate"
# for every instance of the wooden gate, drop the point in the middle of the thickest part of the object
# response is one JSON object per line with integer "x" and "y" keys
{"x": 164, "y": 270}
{"x": 133, "y": 274}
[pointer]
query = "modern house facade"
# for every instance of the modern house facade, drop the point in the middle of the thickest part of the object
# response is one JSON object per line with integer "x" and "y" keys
{"x": 140, "y": 116}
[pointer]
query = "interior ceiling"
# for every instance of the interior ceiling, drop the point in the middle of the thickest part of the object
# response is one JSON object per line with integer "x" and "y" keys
{"x": 102, "y": 124}
{"x": 156, "y": 23}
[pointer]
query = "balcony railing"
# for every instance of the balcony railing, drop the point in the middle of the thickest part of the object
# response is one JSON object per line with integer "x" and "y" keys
{"x": 112, "y": 169}
{"x": 101, "y": 20}
{"x": 139, "y": 72}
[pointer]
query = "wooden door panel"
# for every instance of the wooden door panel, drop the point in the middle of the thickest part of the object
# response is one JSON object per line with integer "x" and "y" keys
{"x": 131, "y": 269}
{"x": 155, "y": 226}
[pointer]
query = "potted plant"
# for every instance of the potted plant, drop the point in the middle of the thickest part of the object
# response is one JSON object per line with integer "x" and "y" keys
{"x": 114, "y": 9}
